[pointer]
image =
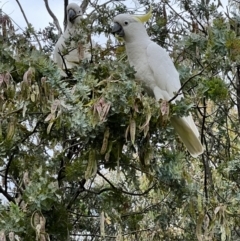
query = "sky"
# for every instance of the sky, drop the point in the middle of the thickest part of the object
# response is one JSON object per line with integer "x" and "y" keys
{"x": 37, "y": 14}
{"x": 35, "y": 11}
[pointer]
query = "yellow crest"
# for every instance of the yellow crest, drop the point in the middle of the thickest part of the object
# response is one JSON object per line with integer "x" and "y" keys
{"x": 145, "y": 17}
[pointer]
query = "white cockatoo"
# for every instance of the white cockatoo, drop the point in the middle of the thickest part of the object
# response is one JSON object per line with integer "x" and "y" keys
{"x": 155, "y": 69}
{"x": 74, "y": 51}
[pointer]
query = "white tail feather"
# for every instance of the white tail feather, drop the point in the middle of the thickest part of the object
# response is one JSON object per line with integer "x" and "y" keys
{"x": 188, "y": 133}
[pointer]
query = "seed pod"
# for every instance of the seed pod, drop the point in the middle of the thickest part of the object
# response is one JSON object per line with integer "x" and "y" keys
{"x": 43, "y": 223}
{"x": 33, "y": 98}
{"x": 24, "y": 109}
{"x": 29, "y": 75}
{"x": 107, "y": 155}
{"x": 148, "y": 155}
{"x": 148, "y": 118}
{"x": 11, "y": 91}
{"x": 50, "y": 127}
{"x": 94, "y": 168}
{"x": 11, "y": 236}
{"x": 105, "y": 141}
{"x": 92, "y": 164}
{"x": 36, "y": 219}
{"x": 164, "y": 106}
{"x": 132, "y": 127}
{"x": 11, "y": 128}
{"x": 45, "y": 86}
{"x": 2, "y": 236}
{"x": 102, "y": 226}
{"x": 145, "y": 130}
{"x": 37, "y": 90}
{"x": 26, "y": 179}
{"x": 25, "y": 90}
{"x": 126, "y": 133}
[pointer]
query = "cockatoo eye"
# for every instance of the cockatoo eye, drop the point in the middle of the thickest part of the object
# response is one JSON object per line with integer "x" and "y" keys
{"x": 126, "y": 22}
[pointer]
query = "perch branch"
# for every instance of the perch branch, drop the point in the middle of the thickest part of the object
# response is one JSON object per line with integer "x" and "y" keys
{"x": 55, "y": 20}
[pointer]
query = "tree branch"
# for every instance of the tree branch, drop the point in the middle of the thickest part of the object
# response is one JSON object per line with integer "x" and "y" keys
{"x": 23, "y": 13}
{"x": 238, "y": 90}
{"x": 28, "y": 24}
{"x": 65, "y": 14}
{"x": 179, "y": 91}
{"x": 113, "y": 237}
{"x": 55, "y": 20}
{"x": 7, "y": 169}
{"x": 125, "y": 192}
{"x": 80, "y": 189}
{"x": 179, "y": 15}
{"x": 7, "y": 195}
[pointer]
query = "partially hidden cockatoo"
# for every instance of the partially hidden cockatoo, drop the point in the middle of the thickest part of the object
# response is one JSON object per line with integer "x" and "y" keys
{"x": 67, "y": 47}
{"x": 155, "y": 69}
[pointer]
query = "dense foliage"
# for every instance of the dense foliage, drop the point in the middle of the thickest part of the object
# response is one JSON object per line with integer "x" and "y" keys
{"x": 92, "y": 157}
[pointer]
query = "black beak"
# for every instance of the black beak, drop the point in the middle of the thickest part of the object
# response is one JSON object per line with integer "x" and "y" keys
{"x": 117, "y": 29}
{"x": 72, "y": 15}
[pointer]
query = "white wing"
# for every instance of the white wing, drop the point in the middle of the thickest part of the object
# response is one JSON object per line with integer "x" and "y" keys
{"x": 167, "y": 84}
{"x": 164, "y": 71}
{"x": 70, "y": 53}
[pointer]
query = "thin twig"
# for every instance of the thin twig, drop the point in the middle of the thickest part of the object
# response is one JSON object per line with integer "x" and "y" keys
{"x": 79, "y": 190}
{"x": 238, "y": 90}
{"x": 207, "y": 172}
{"x": 28, "y": 24}
{"x": 65, "y": 14}
{"x": 125, "y": 192}
{"x": 23, "y": 13}
{"x": 179, "y": 15}
{"x": 179, "y": 91}
{"x": 68, "y": 73}
{"x": 113, "y": 237}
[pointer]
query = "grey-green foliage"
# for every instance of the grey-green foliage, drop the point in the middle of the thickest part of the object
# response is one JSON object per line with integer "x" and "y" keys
{"x": 94, "y": 147}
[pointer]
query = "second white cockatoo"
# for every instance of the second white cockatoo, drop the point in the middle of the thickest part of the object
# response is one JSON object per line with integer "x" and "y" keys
{"x": 155, "y": 69}
{"x": 69, "y": 52}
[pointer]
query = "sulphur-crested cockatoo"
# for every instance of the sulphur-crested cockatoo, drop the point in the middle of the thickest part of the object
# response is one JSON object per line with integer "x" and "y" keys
{"x": 155, "y": 69}
{"x": 68, "y": 47}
